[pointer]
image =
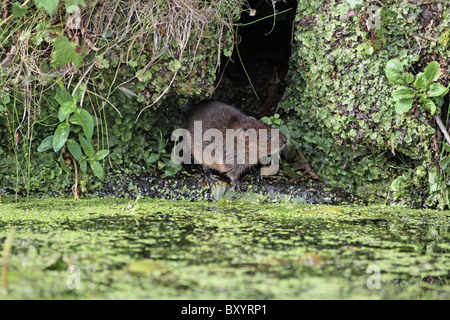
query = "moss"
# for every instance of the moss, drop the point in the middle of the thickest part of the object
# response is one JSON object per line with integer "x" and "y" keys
{"x": 342, "y": 113}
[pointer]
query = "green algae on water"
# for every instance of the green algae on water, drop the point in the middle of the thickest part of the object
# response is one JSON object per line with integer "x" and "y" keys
{"x": 163, "y": 249}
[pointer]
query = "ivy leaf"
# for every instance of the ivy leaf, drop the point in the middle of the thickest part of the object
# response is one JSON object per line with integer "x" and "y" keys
{"x": 97, "y": 168}
{"x": 60, "y": 136}
{"x": 49, "y": 5}
{"x": 64, "y": 52}
{"x": 429, "y": 105}
{"x": 101, "y": 62}
{"x": 403, "y": 105}
{"x": 437, "y": 90}
{"x": 18, "y": 11}
{"x": 74, "y": 149}
{"x": 227, "y": 52}
{"x": 394, "y": 71}
{"x": 144, "y": 76}
{"x": 432, "y": 71}
{"x": 65, "y": 110}
{"x": 46, "y": 144}
{"x": 174, "y": 65}
{"x": 85, "y": 120}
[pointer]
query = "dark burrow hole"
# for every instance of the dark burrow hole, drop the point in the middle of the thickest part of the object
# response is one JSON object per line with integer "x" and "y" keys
{"x": 263, "y": 51}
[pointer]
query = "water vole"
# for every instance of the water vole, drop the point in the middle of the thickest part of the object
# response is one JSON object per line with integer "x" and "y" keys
{"x": 225, "y": 139}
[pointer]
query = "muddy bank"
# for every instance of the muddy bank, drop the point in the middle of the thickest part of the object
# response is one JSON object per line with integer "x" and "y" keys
{"x": 182, "y": 188}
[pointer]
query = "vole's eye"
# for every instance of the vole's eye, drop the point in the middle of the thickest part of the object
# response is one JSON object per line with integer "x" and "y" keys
{"x": 269, "y": 136}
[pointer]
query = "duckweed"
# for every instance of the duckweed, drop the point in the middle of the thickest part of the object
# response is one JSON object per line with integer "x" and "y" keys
{"x": 110, "y": 248}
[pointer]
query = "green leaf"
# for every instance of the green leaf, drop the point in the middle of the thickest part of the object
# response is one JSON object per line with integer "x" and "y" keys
{"x": 4, "y": 97}
{"x": 74, "y": 120}
{"x": 85, "y": 120}
{"x": 62, "y": 95}
{"x": 403, "y": 93}
{"x": 65, "y": 110}
{"x": 49, "y": 5}
{"x": 421, "y": 81}
{"x": 354, "y": 3}
{"x": 408, "y": 78}
{"x": 69, "y": 3}
{"x": 87, "y": 147}
{"x": 394, "y": 71}
{"x": 101, "y": 154}
{"x": 170, "y": 171}
{"x": 429, "y": 105}
{"x": 46, "y": 144}
{"x": 403, "y": 105}
{"x": 74, "y": 149}
{"x": 64, "y": 52}
{"x": 227, "y": 52}
{"x": 437, "y": 90}
{"x": 78, "y": 94}
{"x": 153, "y": 158}
{"x": 18, "y": 11}
{"x": 101, "y": 62}
{"x": 444, "y": 163}
{"x": 97, "y": 168}
{"x": 60, "y": 136}
{"x": 438, "y": 101}
{"x": 446, "y": 146}
{"x": 432, "y": 71}
{"x": 144, "y": 76}
{"x": 63, "y": 164}
{"x": 174, "y": 65}
{"x": 83, "y": 164}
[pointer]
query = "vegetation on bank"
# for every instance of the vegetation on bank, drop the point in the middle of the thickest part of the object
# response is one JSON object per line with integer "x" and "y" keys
{"x": 90, "y": 89}
{"x": 351, "y": 122}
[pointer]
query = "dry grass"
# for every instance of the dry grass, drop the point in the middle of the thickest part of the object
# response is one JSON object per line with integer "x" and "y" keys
{"x": 166, "y": 25}
{"x": 160, "y": 29}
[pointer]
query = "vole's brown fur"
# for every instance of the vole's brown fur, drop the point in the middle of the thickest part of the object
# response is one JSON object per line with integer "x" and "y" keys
{"x": 220, "y": 116}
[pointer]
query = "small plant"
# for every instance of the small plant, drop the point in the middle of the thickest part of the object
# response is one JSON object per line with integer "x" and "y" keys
{"x": 163, "y": 160}
{"x": 424, "y": 89}
{"x": 427, "y": 94}
{"x": 76, "y": 121}
{"x": 276, "y": 122}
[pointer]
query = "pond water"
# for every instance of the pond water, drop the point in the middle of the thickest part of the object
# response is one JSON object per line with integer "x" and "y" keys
{"x": 109, "y": 248}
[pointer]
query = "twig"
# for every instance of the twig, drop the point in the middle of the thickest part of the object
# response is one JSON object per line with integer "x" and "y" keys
{"x": 160, "y": 96}
{"x": 274, "y": 17}
{"x": 424, "y": 37}
{"x": 442, "y": 127}
{"x": 75, "y": 187}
